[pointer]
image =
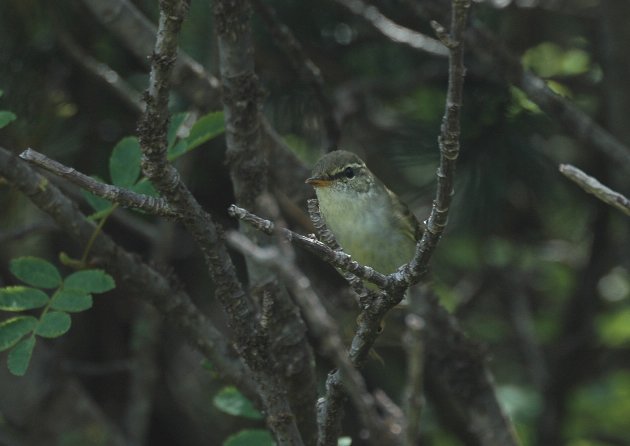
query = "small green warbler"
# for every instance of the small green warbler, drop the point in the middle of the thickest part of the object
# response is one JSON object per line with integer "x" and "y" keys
{"x": 367, "y": 219}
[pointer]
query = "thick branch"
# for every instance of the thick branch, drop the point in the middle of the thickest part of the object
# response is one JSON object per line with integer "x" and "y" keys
{"x": 122, "y": 196}
{"x": 592, "y": 186}
{"x": 324, "y": 327}
{"x": 576, "y": 123}
{"x": 448, "y": 139}
{"x": 137, "y": 33}
{"x": 242, "y": 315}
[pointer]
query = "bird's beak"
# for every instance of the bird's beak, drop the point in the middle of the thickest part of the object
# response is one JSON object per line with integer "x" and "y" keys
{"x": 318, "y": 182}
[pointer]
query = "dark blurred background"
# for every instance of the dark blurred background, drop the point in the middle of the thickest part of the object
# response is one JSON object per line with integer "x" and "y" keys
{"x": 536, "y": 270}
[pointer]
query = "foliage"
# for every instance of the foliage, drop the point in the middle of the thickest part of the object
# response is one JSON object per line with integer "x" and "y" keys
{"x": 71, "y": 294}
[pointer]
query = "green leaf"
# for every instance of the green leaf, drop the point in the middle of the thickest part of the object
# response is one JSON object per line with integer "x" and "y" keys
{"x": 206, "y": 128}
{"x": 12, "y": 330}
{"x": 98, "y": 204}
{"x": 250, "y": 437}
{"x": 36, "y": 272}
{"x": 72, "y": 301}
{"x": 231, "y": 401}
{"x": 53, "y": 324}
{"x": 6, "y": 117}
{"x": 178, "y": 150}
{"x": 145, "y": 187}
{"x": 20, "y": 356}
{"x": 20, "y": 298}
{"x": 124, "y": 163}
{"x": 176, "y": 122}
{"x": 344, "y": 441}
{"x": 90, "y": 281}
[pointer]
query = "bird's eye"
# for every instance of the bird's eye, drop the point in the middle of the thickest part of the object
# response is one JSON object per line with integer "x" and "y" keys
{"x": 348, "y": 172}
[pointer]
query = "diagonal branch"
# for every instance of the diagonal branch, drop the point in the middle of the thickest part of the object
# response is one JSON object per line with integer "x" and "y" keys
{"x": 338, "y": 259}
{"x": 592, "y": 186}
{"x": 138, "y": 278}
{"x": 239, "y": 308}
{"x": 575, "y": 122}
{"x": 324, "y": 327}
{"x": 394, "y": 31}
{"x": 122, "y": 196}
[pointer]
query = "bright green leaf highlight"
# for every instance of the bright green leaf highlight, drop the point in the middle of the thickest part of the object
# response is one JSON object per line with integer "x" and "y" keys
{"x": 176, "y": 122}
{"x": 549, "y": 59}
{"x": 35, "y": 272}
{"x": 250, "y": 437}
{"x": 6, "y": 117}
{"x": 53, "y": 324}
{"x": 98, "y": 204}
{"x": 206, "y": 128}
{"x": 20, "y": 356}
{"x": 20, "y": 298}
{"x": 72, "y": 301}
{"x": 344, "y": 441}
{"x": 124, "y": 163}
{"x": 614, "y": 328}
{"x": 231, "y": 401}
{"x": 90, "y": 281}
{"x": 12, "y": 330}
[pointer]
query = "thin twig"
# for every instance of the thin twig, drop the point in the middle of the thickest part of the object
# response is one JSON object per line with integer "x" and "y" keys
{"x": 372, "y": 315}
{"x": 122, "y": 196}
{"x": 448, "y": 143}
{"x": 394, "y": 31}
{"x": 592, "y": 186}
{"x": 338, "y": 259}
{"x": 414, "y": 346}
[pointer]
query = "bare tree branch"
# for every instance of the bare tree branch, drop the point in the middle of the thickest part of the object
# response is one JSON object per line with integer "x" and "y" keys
{"x": 325, "y": 328}
{"x": 132, "y": 274}
{"x": 122, "y": 196}
{"x": 242, "y": 102}
{"x": 393, "y": 30}
{"x": 101, "y": 71}
{"x": 594, "y": 187}
{"x": 337, "y": 259}
{"x": 242, "y": 315}
{"x": 137, "y": 33}
{"x": 413, "y": 399}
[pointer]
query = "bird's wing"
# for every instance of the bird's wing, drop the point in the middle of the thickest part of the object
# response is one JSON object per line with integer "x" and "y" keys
{"x": 410, "y": 224}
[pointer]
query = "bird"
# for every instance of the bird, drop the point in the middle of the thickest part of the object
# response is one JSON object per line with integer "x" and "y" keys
{"x": 369, "y": 221}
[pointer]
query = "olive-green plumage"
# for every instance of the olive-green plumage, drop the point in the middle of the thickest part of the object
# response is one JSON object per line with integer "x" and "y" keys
{"x": 368, "y": 220}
